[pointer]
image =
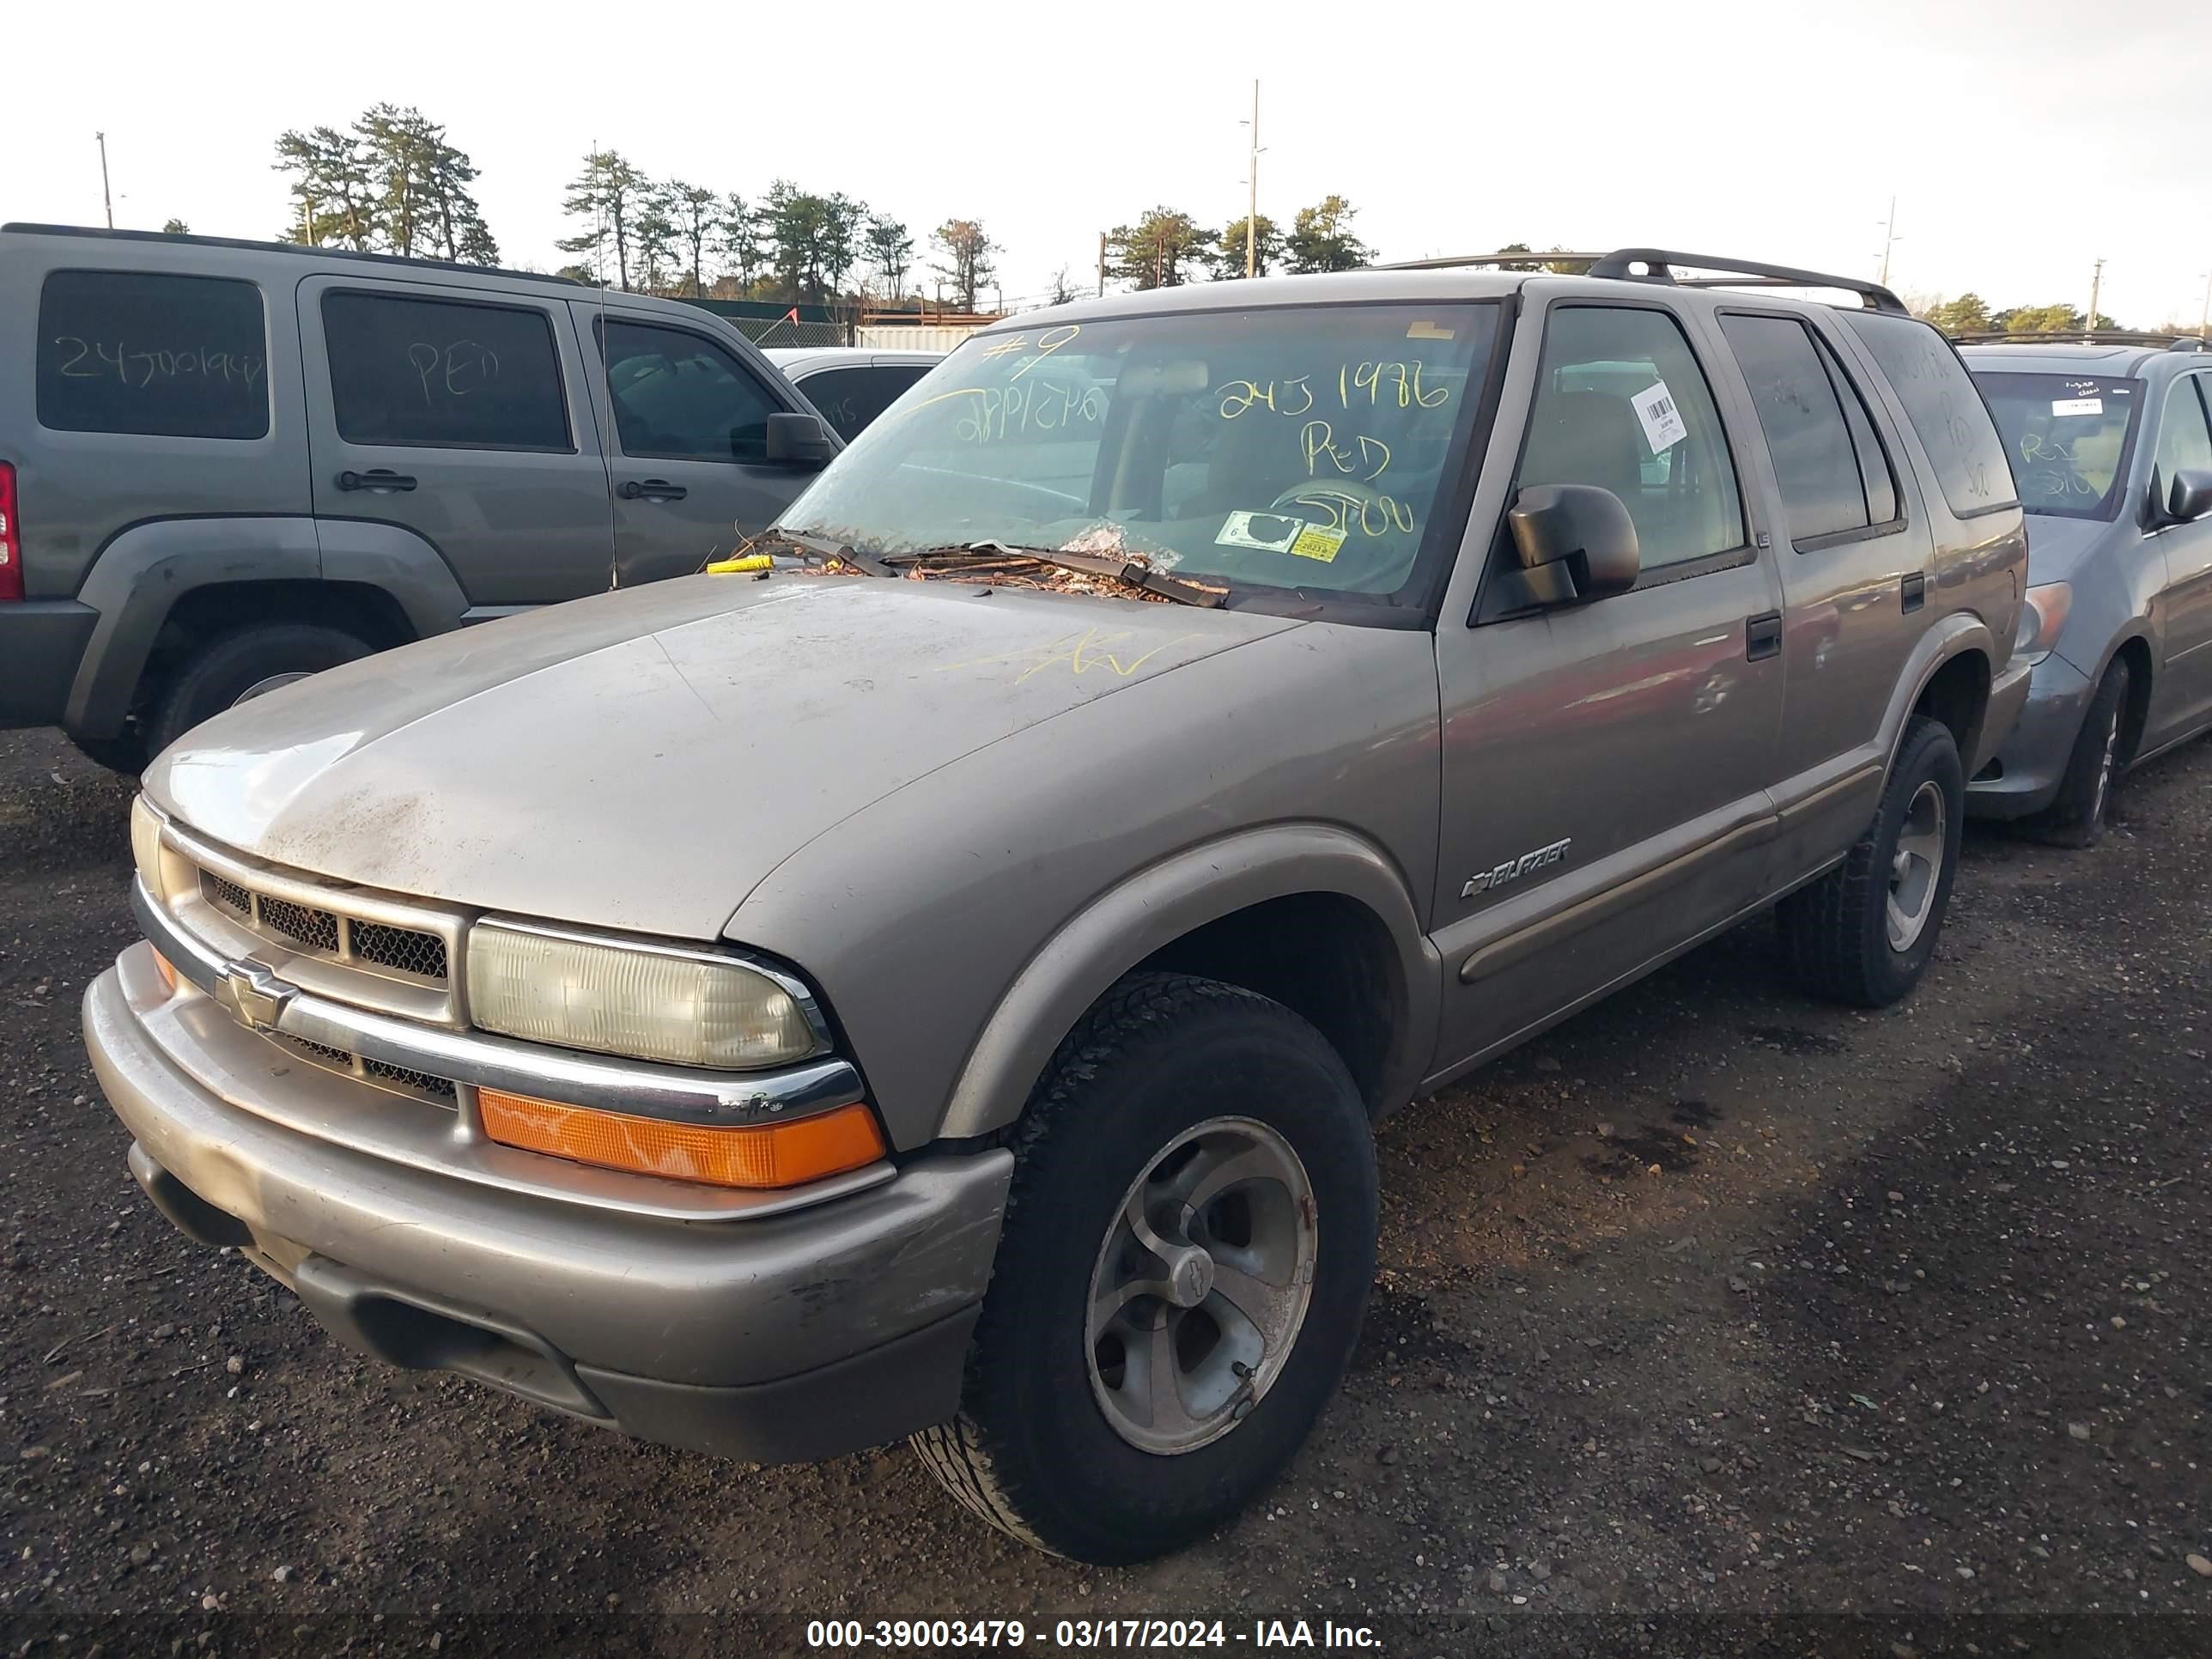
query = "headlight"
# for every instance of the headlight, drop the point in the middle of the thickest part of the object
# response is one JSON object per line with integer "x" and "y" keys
{"x": 648, "y": 1002}
{"x": 146, "y": 844}
{"x": 2042, "y": 614}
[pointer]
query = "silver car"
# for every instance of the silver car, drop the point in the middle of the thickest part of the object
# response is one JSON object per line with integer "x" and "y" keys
{"x": 2111, "y": 447}
{"x": 943, "y": 985}
{"x": 851, "y": 385}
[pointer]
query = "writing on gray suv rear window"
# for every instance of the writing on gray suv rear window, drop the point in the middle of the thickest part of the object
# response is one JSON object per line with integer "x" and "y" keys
{"x": 166, "y": 356}
{"x": 1945, "y": 409}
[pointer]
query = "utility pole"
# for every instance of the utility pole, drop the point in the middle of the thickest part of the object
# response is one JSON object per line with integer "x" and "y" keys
{"x": 1888, "y": 240}
{"x": 2204, "y": 317}
{"x": 1252, "y": 207}
{"x": 1101, "y": 265}
{"x": 106, "y": 200}
{"x": 2096, "y": 282}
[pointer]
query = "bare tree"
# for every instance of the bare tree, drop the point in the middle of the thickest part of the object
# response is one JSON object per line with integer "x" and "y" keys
{"x": 966, "y": 253}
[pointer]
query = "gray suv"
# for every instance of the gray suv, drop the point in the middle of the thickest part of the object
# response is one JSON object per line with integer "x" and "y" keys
{"x": 943, "y": 985}
{"x": 224, "y": 465}
{"x": 2111, "y": 447}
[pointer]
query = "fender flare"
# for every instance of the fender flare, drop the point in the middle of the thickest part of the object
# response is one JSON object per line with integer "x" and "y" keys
{"x": 1951, "y": 637}
{"x": 1160, "y": 904}
{"x": 138, "y": 577}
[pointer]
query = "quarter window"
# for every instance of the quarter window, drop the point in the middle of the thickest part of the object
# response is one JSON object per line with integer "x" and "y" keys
{"x": 2184, "y": 444}
{"x": 680, "y": 398}
{"x": 443, "y": 374}
{"x": 1621, "y": 403}
{"x": 166, "y": 357}
{"x": 1833, "y": 477}
{"x": 1948, "y": 413}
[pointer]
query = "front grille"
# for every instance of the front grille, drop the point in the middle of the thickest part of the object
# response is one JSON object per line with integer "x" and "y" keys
{"x": 422, "y": 1084}
{"x": 408, "y": 951}
{"x": 228, "y": 894}
{"x": 316, "y": 929}
{"x": 403, "y": 948}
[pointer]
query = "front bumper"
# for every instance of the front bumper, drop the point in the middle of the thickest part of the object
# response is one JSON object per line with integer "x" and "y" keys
{"x": 772, "y": 1334}
{"x": 2029, "y": 762}
{"x": 41, "y": 641}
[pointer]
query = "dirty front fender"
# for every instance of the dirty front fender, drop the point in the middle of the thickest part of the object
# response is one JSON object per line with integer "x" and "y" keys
{"x": 1158, "y": 906}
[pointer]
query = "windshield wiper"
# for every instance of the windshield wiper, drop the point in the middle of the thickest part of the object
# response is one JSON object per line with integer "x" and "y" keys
{"x": 1133, "y": 572}
{"x": 821, "y": 547}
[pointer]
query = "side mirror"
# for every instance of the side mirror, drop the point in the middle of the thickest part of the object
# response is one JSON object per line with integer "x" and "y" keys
{"x": 798, "y": 441}
{"x": 2189, "y": 496}
{"x": 1576, "y": 543}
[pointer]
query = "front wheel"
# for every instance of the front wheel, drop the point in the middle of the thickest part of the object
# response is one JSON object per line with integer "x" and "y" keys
{"x": 1188, "y": 1244}
{"x": 1863, "y": 933}
{"x": 2076, "y": 816}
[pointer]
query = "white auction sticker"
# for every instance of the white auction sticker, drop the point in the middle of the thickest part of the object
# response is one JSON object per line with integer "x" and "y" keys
{"x": 1662, "y": 422}
{"x": 2078, "y": 406}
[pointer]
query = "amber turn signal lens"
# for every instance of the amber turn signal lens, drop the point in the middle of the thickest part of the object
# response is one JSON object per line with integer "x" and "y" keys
{"x": 766, "y": 1155}
{"x": 168, "y": 970}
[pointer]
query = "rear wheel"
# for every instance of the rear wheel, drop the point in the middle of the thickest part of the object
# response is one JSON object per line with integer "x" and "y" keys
{"x": 2076, "y": 816}
{"x": 1864, "y": 933}
{"x": 1188, "y": 1244}
{"x": 243, "y": 666}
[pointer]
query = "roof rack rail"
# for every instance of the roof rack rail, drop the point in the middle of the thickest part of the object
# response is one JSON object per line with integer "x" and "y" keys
{"x": 1537, "y": 259}
{"x": 2112, "y": 337}
{"x": 97, "y": 232}
{"x": 1658, "y": 263}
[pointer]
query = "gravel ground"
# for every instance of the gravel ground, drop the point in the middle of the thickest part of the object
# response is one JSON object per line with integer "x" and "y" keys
{"x": 1717, "y": 1321}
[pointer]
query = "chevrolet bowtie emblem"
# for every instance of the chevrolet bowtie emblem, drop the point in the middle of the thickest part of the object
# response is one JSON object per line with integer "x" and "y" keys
{"x": 254, "y": 993}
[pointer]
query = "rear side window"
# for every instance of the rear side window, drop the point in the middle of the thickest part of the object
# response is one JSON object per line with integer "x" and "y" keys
{"x": 1834, "y": 475}
{"x": 166, "y": 357}
{"x": 443, "y": 374}
{"x": 1945, "y": 409}
{"x": 851, "y": 398}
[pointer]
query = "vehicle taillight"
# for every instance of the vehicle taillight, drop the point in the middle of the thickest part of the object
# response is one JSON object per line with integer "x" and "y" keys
{"x": 11, "y": 538}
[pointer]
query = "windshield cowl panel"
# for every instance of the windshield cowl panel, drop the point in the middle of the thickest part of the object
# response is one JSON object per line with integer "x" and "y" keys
{"x": 1279, "y": 453}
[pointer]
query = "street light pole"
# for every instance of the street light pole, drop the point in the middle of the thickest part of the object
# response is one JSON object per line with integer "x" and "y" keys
{"x": 1888, "y": 240}
{"x": 2204, "y": 317}
{"x": 2096, "y": 282}
{"x": 106, "y": 200}
{"x": 1252, "y": 206}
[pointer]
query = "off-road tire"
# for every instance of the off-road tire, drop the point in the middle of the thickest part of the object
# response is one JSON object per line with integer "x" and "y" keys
{"x": 2076, "y": 816}
{"x": 1833, "y": 931}
{"x": 218, "y": 673}
{"x": 1031, "y": 1451}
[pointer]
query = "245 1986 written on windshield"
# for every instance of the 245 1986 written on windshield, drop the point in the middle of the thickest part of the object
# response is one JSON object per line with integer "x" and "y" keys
{"x": 1290, "y": 447}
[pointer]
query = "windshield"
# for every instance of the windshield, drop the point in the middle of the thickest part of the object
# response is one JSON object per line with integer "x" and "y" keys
{"x": 2068, "y": 436}
{"x": 1307, "y": 448}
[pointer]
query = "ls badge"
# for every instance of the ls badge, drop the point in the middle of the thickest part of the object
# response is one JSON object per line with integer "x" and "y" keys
{"x": 1490, "y": 880}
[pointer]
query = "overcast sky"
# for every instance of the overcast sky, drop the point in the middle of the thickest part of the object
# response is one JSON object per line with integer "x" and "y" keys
{"x": 2023, "y": 142}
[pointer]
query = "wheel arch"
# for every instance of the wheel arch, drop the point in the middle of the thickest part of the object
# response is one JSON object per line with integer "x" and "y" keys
{"x": 1265, "y": 905}
{"x": 164, "y": 581}
{"x": 1950, "y": 680}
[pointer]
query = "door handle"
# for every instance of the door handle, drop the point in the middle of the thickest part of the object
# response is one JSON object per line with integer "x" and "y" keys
{"x": 377, "y": 478}
{"x": 651, "y": 489}
{"x": 1762, "y": 636}
{"x": 1913, "y": 590}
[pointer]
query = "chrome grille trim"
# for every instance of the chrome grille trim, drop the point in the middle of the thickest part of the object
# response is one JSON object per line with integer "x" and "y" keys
{"x": 367, "y": 949}
{"x": 639, "y": 1088}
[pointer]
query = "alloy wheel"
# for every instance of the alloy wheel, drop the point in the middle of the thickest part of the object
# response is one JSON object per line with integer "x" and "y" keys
{"x": 1201, "y": 1285}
